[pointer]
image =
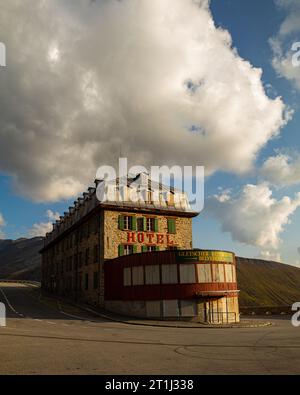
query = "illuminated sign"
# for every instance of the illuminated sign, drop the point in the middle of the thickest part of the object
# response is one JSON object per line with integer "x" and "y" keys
{"x": 206, "y": 256}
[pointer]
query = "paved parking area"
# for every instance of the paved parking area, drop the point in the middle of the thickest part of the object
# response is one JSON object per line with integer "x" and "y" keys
{"x": 42, "y": 337}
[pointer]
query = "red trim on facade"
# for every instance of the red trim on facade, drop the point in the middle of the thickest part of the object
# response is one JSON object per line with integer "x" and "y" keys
{"x": 115, "y": 290}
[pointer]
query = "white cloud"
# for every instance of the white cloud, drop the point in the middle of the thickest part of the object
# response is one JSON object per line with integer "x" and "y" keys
{"x": 270, "y": 255}
{"x": 2, "y": 224}
{"x": 282, "y": 170}
{"x": 255, "y": 217}
{"x": 40, "y": 229}
{"x": 88, "y": 80}
{"x": 282, "y": 43}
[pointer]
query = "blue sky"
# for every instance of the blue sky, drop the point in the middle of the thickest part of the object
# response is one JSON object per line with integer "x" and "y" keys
{"x": 251, "y": 25}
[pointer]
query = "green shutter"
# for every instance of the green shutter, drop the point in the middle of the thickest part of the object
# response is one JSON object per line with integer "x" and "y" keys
{"x": 171, "y": 225}
{"x": 135, "y": 249}
{"x": 157, "y": 248}
{"x": 121, "y": 250}
{"x": 134, "y": 223}
{"x": 155, "y": 224}
{"x": 144, "y": 249}
{"x": 121, "y": 222}
{"x": 144, "y": 224}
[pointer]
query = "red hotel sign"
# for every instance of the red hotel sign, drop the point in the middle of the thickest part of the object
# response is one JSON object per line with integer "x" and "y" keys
{"x": 149, "y": 238}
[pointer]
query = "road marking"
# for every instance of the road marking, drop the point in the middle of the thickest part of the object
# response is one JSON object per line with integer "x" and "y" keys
{"x": 70, "y": 315}
{"x": 50, "y": 322}
{"x": 36, "y": 319}
{"x": 9, "y": 304}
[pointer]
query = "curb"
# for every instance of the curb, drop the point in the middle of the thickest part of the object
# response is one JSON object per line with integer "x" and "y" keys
{"x": 166, "y": 325}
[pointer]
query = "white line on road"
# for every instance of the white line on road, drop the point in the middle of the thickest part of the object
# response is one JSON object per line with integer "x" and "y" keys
{"x": 9, "y": 304}
{"x": 50, "y": 322}
{"x": 70, "y": 315}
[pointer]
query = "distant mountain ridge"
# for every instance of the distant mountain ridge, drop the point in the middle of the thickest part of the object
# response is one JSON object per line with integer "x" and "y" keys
{"x": 261, "y": 283}
{"x": 19, "y": 259}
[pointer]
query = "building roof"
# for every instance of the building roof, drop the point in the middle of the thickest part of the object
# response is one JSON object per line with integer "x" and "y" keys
{"x": 170, "y": 201}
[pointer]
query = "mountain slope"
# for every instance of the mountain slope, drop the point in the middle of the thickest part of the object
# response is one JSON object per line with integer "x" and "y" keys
{"x": 264, "y": 283}
{"x": 19, "y": 259}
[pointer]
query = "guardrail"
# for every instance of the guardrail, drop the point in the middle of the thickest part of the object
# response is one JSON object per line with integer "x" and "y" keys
{"x": 266, "y": 310}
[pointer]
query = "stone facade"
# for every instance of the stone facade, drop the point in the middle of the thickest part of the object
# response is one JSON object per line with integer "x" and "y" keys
{"x": 73, "y": 262}
{"x": 182, "y": 239}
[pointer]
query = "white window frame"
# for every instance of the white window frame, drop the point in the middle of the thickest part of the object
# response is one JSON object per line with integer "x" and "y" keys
{"x": 150, "y": 224}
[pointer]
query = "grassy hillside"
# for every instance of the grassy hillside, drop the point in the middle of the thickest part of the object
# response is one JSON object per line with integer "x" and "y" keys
{"x": 264, "y": 283}
{"x": 19, "y": 259}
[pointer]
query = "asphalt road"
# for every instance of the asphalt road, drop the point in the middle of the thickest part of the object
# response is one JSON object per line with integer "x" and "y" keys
{"x": 43, "y": 337}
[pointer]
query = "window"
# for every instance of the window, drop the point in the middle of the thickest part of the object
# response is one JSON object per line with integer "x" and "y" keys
{"x": 127, "y": 222}
{"x": 87, "y": 256}
{"x": 170, "y": 308}
{"x": 151, "y": 248}
{"x": 141, "y": 224}
{"x": 96, "y": 279}
{"x": 138, "y": 275}
{"x": 171, "y": 225}
{"x": 187, "y": 274}
{"x": 150, "y": 197}
{"x": 228, "y": 273}
{"x": 127, "y": 249}
{"x": 95, "y": 225}
{"x": 96, "y": 253}
{"x": 152, "y": 274}
{"x": 204, "y": 273}
{"x": 152, "y": 225}
{"x": 80, "y": 259}
{"x": 86, "y": 283}
{"x": 76, "y": 261}
{"x": 79, "y": 281}
{"x": 169, "y": 274}
{"x": 127, "y": 276}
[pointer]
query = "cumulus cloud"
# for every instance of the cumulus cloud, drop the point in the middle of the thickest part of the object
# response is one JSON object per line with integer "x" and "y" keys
{"x": 282, "y": 170}
{"x": 2, "y": 224}
{"x": 153, "y": 80}
{"x": 284, "y": 43}
{"x": 270, "y": 255}
{"x": 255, "y": 217}
{"x": 40, "y": 229}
